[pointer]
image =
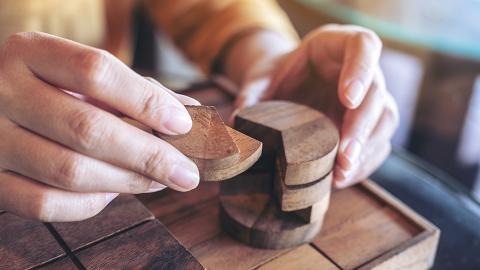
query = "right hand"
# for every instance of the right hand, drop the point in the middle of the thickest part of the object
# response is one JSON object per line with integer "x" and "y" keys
{"x": 63, "y": 159}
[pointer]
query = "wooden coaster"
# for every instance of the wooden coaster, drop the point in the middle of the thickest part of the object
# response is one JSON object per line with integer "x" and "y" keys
{"x": 218, "y": 151}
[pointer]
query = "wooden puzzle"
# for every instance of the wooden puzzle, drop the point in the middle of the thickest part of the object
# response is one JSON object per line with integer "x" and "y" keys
{"x": 364, "y": 227}
{"x": 301, "y": 144}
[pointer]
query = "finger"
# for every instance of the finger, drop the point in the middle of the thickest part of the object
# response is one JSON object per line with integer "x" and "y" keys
{"x": 376, "y": 150}
{"x": 372, "y": 159}
{"x": 55, "y": 165}
{"x": 90, "y": 131}
{"x": 185, "y": 100}
{"x": 359, "y": 123}
{"x": 361, "y": 54}
{"x": 98, "y": 74}
{"x": 33, "y": 200}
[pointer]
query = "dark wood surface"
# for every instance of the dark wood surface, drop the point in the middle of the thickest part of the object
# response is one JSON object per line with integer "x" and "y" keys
{"x": 124, "y": 235}
{"x": 25, "y": 243}
{"x": 150, "y": 246}
{"x": 122, "y": 213}
{"x": 363, "y": 227}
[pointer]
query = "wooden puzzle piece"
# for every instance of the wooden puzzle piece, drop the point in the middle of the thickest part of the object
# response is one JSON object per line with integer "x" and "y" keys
{"x": 306, "y": 140}
{"x": 25, "y": 243}
{"x": 208, "y": 143}
{"x": 299, "y": 197}
{"x": 218, "y": 151}
{"x": 258, "y": 221}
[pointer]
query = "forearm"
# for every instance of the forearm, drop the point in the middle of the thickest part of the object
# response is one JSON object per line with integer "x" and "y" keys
{"x": 256, "y": 47}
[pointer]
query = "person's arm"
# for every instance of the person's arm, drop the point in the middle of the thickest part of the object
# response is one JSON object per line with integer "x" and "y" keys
{"x": 334, "y": 69}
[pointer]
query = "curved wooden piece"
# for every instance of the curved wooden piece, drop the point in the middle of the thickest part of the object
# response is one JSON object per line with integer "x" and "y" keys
{"x": 306, "y": 140}
{"x": 218, "y": 151}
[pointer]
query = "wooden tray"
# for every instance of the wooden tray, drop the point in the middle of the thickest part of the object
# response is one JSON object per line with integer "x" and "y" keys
{"x": 364, "y": 228}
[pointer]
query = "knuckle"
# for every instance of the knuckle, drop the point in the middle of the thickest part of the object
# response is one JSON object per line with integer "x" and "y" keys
{"x": 89, "y": 128}
{"x": 71, "y": 174}
{"x": 153, "y": 162}
{"x": 149, "y": 105}
{"x": 92, "y": 66}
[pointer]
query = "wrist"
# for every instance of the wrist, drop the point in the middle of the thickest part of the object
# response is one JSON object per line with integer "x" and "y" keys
{"x": 253, "y": 48}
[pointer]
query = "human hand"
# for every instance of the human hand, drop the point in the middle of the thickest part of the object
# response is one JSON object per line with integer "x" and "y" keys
{"x": 335, "y": 70}
{"x": 63, "y": 159}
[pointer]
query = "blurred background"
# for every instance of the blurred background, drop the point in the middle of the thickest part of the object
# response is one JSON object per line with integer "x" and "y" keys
{"x": 431, "y": 62}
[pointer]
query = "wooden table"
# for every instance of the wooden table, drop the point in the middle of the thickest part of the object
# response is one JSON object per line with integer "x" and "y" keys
{"x": 364, "y": 228}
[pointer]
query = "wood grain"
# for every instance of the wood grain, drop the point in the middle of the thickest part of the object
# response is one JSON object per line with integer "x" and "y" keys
{"x": 258, "y": 221}
{"x": 149, "y": 246}
{"x": 62, "y": 264}
{"x": 299, "y": 197}
{"x": 123, "y": 212}
{"x": 25, "y": 243}
{"x": 306, "y": 139}
{"x": 304, "y": 257}
{"x": 223, "y": 252}
{"x": 366, "y": 238}
{"x": 169, "y": 201}
{"x": 218, "y": 151}
{"x": 250, "y": 151}
{"x": 208, "y": 143}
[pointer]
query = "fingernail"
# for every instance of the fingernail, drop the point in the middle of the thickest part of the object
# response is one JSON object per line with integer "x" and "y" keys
{"x": 354, "y": 92}
{"x": 352, "y": 151}
{"x": 109, "y": 197}
{"x": 155, "y": 186}
{"x": 184, "y": 175}
{"x": 177, "y": 121}
{"x": 340, "y": 177}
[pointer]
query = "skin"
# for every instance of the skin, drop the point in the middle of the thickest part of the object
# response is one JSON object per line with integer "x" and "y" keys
{"x": 64, "y": 159}
{"x": 333, "y": 69}
{"x": 65, "y": 153}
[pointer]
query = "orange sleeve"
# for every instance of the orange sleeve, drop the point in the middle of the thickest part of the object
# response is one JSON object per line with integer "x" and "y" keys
{"x": 201, "y": 28}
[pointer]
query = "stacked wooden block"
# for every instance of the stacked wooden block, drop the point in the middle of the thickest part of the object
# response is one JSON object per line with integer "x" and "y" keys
{"x": 279, "y": 202}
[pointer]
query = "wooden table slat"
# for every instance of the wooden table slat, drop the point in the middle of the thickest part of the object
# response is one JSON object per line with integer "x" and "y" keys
{"x": 149, "y": 246}
{"x": 25, "y": 243}
{"x": 123, "y": 212}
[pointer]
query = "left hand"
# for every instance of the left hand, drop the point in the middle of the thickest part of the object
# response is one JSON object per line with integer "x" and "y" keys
{"x": 335, "y": 69}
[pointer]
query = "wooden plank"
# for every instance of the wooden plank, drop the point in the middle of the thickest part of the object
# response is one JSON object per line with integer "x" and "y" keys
{"x": 149, "y": 246}
{"x": 122, "y": 213}
{"x": 25, "y": 243}
{"x": 415, "y": 253}
{"x": 353, "y": 244}
{"x": 348, "y": 205}
{"x": 304, "y": 257}
{"x": 223, "y": 252}
{"x": 195, "y": 224}
{"x": 169, "y": 201}
{"x": 62, "y": 264}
